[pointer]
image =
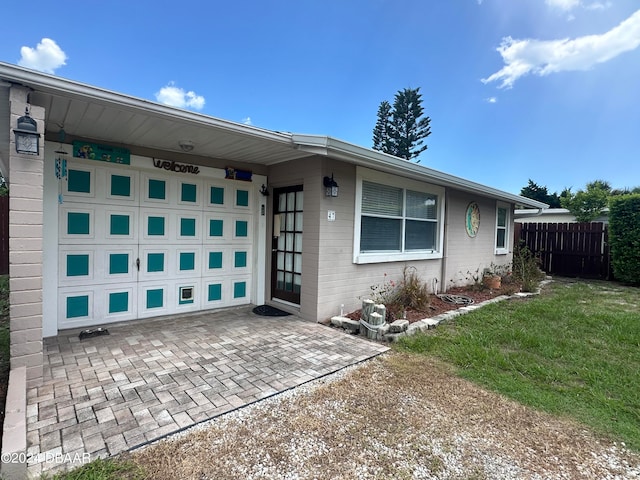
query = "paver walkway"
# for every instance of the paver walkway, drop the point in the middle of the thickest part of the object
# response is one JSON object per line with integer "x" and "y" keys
{"x": 147, "y": 379}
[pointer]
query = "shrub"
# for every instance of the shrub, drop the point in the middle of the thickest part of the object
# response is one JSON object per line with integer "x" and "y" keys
{"x": 526, "y": 268}
{"x": 412, "y": 292}
{"x": 624, "y": 237}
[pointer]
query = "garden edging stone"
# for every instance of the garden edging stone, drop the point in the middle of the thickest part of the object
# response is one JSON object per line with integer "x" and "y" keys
{"x": 391, "y": 334}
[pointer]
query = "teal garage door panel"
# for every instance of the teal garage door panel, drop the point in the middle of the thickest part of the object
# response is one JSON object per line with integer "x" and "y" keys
{"x": 136, "y": 243}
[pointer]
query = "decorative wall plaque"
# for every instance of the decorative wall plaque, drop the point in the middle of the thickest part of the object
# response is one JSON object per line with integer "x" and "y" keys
{"x": 472, "y": 219}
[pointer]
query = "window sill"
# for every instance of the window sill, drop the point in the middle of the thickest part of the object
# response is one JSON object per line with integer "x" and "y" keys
{"x": 502, "y": 251}
{"x": 364, "y": 258}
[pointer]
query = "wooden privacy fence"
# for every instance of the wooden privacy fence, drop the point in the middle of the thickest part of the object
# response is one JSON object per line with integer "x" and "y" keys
{"x": 569, "y": 249}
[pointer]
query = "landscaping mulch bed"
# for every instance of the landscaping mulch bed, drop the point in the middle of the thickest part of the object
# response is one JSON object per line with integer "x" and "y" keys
{"x": 438, "y": 306}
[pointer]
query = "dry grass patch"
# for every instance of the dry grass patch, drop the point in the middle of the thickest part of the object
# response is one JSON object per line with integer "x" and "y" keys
{"x": 398, "y": 416}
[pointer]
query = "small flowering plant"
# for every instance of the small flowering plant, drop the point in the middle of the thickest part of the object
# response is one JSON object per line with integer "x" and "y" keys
{"x": 409, "y": 294}
{"x": 385, "y": 292}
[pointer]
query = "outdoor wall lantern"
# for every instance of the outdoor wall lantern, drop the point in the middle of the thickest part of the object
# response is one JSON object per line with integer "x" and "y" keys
{"x": 27, "y": 136}
{"x": 331, "y": 186}
{"x": 264, "y": 190}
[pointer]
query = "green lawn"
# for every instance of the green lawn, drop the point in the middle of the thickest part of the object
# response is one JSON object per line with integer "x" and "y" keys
{"x": 574, "y": 351}
{"x": 102, "y": 469}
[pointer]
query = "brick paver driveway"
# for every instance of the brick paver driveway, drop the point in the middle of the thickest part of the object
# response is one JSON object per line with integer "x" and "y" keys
{"x": 147, "y": 379}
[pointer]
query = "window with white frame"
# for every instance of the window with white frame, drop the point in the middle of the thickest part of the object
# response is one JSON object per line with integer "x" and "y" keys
{"x": 397, "y": 222}
{"x": 502, "y": 229}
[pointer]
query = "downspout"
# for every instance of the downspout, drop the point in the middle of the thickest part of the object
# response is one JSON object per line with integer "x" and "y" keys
{"x": 443, "y": 263}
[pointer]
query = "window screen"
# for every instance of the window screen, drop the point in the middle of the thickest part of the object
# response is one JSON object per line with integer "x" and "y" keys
{"x": 397, "y": 220}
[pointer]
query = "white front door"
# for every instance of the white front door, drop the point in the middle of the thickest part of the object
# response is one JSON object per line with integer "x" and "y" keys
{"x": 141, "y": 243}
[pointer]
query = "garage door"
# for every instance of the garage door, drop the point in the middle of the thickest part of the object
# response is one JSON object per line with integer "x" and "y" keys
{"x": 135, "y": 243}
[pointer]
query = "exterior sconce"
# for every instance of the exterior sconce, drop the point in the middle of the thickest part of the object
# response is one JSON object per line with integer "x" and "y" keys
{"x": 331, "y": 186}
{"x": 264, "y": 190}
{"x": 27, "y": 136}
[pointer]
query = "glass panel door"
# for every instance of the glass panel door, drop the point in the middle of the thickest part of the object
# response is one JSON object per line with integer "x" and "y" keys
{"x": 286, "y": 262}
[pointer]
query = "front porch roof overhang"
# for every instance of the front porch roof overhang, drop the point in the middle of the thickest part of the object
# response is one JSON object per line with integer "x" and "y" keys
{"x": 93, "y": 113}
{"x": 89, "y": 112}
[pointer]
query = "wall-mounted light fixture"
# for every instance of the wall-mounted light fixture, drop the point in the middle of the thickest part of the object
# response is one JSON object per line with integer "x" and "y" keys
{"x": 331, "y": 186}
{"x": 264, "y": 190}
{"x": 27, "y": 136}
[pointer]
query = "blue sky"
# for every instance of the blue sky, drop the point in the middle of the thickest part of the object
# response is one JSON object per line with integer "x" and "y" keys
{"x": 516, "y": 89}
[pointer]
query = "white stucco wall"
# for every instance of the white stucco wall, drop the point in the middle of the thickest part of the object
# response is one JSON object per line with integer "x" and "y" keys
{"x": 467, "y": 257}
{"x": 329, "y": 276}
{"x": 340, "y": 280}
{"x": 330, "y": 271}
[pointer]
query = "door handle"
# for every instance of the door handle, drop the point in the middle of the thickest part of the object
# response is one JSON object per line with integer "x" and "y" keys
{"x": 138, "y": 264}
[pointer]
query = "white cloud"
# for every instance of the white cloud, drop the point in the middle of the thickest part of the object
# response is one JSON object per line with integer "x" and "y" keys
{"x": 177, "y": 97}
{"x": 247, "y": 121}
{"x": 542, "y": 57}
{"x": 598, "y": 6}
{"x": 46, "y": 57}
{"x": 492, "y": 100}
{"x": 565, "y": 5}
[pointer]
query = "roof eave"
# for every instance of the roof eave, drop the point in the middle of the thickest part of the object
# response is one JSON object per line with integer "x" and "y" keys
{"x": 354, "y": 154}
{"x": 309, "y": 144}
{"x": 54, "y": 85}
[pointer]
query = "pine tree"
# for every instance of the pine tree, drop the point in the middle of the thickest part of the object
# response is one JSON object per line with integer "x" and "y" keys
{"x": 401, "y": 130}
{"x": 540, "y": 193}
{"x": 381, "y": 130}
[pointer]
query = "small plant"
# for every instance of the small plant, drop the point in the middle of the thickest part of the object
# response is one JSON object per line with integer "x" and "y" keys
{"x": 510, "y": 284}
{"x": 475, "y": 277}
{"x": 384, "y": 293}
{"x": 526, "y": 268}
{"x": 501, "y": 270}
{"x": 412, "y": 293}
{"x": 492, "y": 276}
{"x": 470, "y": 279}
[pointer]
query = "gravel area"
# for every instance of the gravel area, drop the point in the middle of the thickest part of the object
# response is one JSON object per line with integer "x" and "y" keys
{"x": 398, "y": 416}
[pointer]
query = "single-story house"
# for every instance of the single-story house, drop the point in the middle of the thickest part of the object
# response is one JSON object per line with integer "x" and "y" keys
{"x": 124, "y": 209}
{"x": 553, "y": 215}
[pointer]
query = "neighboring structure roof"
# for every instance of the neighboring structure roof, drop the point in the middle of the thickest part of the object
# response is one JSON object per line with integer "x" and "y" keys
{"x": 553, "y": 215}
{"x": 90, "y": 112}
